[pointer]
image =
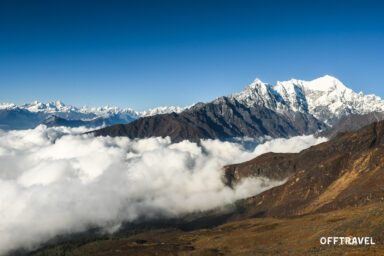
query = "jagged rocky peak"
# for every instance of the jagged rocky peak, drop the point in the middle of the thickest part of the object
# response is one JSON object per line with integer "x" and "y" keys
{"x": 259, "y": 93}
{"x": 252, "y": 91}
{"x": 50, "y": 107}
{"x": 255, "y": 84}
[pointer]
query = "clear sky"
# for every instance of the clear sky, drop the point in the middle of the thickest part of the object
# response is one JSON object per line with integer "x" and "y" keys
{"x": 143, "y": 54}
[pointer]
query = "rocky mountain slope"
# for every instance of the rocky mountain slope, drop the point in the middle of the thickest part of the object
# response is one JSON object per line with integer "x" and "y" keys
{"x": 254, "y": 236}
{"x": 222, "y": 119}
{"x": 351, "y": 123}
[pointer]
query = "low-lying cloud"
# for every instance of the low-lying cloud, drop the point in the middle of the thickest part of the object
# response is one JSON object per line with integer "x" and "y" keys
{"x": 57, "y": 181}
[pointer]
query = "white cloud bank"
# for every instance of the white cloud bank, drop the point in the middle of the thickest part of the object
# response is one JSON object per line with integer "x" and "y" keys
{"x": 56, "y": 181}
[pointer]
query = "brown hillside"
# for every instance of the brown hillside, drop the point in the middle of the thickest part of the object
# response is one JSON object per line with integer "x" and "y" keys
{"x": 345, "y": 171}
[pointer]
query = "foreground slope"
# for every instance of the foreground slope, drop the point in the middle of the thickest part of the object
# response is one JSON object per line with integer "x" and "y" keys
{"x": 254, "y": 236}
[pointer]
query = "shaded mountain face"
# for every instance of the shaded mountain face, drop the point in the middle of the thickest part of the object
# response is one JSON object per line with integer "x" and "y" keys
{"x": 19, "y": 119}
{"x": 345, "y": 171}
{"x": 53, "y": 121}
{"x": 223, "y": 119}
{"x": 351, "y": 123}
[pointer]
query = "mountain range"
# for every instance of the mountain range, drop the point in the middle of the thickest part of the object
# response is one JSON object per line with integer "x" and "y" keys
{"x": 30, "y": 115}
{"x": 289, "y": 108}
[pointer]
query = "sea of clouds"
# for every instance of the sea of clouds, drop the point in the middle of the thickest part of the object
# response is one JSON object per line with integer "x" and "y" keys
{"x": 57, "y": 180}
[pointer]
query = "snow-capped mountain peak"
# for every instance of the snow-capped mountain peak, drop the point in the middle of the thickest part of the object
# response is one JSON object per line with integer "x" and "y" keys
{"x": 325, "y": 83}
{"x": 256, "y": 82}
{"x": 258, "y": 93}
{"x": 326, "y": 98}
{"x": 6, "y": 105}
{"x": 322, "y": 84}
{"x": 258, "y": 85}
{"x": 162, "y": 110}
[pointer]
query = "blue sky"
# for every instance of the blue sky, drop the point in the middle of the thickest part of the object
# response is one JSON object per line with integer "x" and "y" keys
{"x": 143, "y": 54}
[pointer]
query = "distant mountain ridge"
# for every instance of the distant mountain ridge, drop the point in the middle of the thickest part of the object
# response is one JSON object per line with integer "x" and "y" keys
{"x": 59, "y": 107}
{"x": 28, "y": 116}
{"x": 289, "y": 108}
